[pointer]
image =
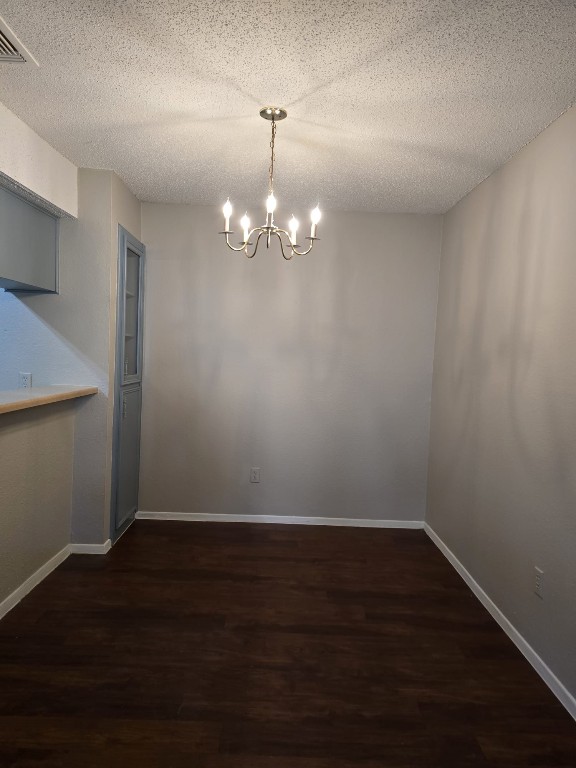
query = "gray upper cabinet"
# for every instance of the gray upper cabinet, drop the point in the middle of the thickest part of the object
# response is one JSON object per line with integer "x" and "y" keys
{"x": 28, "y": 245}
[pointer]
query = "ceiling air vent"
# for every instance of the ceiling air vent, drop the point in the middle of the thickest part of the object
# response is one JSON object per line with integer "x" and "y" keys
{"x": 11, "y": 49}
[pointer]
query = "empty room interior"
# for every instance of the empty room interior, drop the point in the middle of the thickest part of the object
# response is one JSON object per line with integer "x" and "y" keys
{"x": 287, "y": 384}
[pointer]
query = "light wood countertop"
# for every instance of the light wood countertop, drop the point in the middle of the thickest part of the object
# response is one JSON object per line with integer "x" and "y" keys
{"x": 18, "y": 399}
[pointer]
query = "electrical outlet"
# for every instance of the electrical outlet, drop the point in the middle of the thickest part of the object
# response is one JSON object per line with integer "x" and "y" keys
{"x": 255, "y": 474}
{"x": 24, "y": 380}
{"x": 538, "y": 582}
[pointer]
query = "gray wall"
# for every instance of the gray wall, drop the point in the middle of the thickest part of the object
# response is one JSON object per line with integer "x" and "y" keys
{"x": 502, "y": 481}
{"x": 317, "y": 370}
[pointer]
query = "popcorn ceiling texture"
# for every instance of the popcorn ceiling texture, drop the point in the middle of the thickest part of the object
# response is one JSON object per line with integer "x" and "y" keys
{"x": 393, "y": 105}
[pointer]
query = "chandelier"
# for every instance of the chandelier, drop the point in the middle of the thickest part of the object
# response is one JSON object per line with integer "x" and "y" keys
{"x": 288, "y": 242}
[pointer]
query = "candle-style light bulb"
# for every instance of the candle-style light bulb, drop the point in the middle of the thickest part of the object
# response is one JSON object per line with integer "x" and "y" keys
{"x": 270, "y": 208}
{"x": 227, "y": 211}
{"x": 315, "y": 217}
{"x": 245, "y": 224}
{"x": 293, "y": 227}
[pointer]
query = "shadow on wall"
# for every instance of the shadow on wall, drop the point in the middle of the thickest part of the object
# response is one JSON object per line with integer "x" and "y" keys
{"x": 29, "y": 343}
{"x": 497, "y": 319}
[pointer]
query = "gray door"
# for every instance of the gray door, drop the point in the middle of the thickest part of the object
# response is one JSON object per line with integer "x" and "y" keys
{"x": 128, "y": 457}
{"x": 128, "y": 383}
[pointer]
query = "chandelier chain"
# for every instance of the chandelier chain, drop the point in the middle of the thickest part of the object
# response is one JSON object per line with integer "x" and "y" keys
{"x": 272, "y": 158}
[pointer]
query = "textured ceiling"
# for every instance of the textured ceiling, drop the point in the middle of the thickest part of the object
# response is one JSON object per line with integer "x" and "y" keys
{"x": 393, "y": 105}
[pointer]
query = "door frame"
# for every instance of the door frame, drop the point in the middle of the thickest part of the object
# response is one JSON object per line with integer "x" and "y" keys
{"x": 126, "y": 241}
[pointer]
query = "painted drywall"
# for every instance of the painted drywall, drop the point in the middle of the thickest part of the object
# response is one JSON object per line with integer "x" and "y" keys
{"x": 502, "y": 480}
{"x": 317, "y": 370}
{"x": 68, "y": 338}
{"x": 32, "y": 163}
{"x": 36, "y": 446}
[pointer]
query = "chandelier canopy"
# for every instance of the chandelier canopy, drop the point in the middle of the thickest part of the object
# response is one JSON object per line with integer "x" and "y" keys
{"x": 288, "y": 242}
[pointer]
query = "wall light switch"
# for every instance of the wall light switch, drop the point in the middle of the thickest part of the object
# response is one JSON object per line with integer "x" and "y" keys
{"x": 255, "y": 475}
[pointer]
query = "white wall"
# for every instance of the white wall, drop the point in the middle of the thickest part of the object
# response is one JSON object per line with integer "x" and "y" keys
{"x": 502, "y": 490}
{"x": 317, "y": 370}
{"x": 32, "y": 163}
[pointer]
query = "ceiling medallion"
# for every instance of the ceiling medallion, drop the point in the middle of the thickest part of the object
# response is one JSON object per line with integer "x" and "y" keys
{"x": 288, "y": 244}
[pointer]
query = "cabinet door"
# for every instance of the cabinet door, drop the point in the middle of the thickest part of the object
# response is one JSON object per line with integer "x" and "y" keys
{"x": 128, "y": 455}
{"x": 28, "y": 245}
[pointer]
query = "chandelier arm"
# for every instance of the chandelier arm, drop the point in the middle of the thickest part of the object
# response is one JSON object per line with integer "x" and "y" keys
{"x": 277, "y": 233}
{"x": 232, "y": 248}
{"x": 303, "y": 253}
{"x": 260, "y": 233}
{"x": 267, "y": 230}
{"x": 294, "y": 251}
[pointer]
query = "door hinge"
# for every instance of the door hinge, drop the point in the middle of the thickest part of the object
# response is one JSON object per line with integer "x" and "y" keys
{"x": 124, "y": 407}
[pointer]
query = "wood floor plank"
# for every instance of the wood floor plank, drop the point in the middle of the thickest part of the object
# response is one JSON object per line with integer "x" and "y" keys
{"x": 250, "y": 646}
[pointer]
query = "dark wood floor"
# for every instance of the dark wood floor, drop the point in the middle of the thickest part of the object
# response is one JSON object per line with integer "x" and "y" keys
{"x": 244, "y": 646}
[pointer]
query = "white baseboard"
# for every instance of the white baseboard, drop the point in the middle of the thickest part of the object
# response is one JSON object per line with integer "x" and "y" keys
{"x": 8, "y": 603}
{"x": 70, "y": 549}
{"x": 200, "y": 517}
{"x": 557, "y": 688}
{"x": 90, "y": 549}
